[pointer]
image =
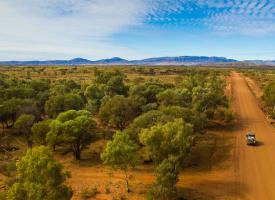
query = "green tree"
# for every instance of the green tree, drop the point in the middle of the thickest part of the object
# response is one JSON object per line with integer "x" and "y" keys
{"x": 269, "y": 97}
{"x": 12, "y": 108}
{"x": 23, "y": 125}
{"x": 120, "y": 153}
{"x": 148, "y": 91}
{"x": 146, "y": 120}
{"x": 170, "y": 97}
{"x": 19, "y": 92}
{"x": 115, "y": 86}
{"x": 117, "y": 112}
{"x": 40, "y": 130}
{"x": 111, "y": 82}
{"x": 40, "y": 85}
{"x": 72, "y": 127}
{"x": 94, "y": 94}
{"x": 73, "y": 102}
{"x": 54, "y": 105}
{"x": 39, "y": 177}
{"x": 169, "y": 144}
{"x": 167, "y": 177}
{"x": 192, "y": 116}
{"x": 60, "y": 103}
{"x": 163, "y": 140}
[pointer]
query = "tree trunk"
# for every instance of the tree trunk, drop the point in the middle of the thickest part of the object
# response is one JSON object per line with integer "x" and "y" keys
{"x": 77, "y": 152}
{"x": 127, "y": 181}
{"x": 7, "y": 124}
{"x": 54, "y": 146}
{"x": 29, "y": 144}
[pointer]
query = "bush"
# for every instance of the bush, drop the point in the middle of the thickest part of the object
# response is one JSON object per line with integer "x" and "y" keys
{"x": 8, "y": 169}
{"x": 223, "y": 114}
{"x": 87, "y": 192}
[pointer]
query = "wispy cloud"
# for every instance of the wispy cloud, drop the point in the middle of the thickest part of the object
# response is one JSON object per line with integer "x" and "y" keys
{"x": 248, "y": 17}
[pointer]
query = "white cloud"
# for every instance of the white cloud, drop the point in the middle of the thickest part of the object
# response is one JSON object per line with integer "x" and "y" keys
{"x": 67, "y": 27}
{"x": 52, "y": 29}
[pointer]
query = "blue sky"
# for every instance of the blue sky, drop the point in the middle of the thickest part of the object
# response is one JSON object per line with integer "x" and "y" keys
{"x": 135, "y": 29}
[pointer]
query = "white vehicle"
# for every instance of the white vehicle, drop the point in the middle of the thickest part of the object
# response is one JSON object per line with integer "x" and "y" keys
{"x": 250, "y": 138}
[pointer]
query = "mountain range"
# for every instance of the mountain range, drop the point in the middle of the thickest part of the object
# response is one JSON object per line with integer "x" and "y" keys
{"x": 180, "y": 60}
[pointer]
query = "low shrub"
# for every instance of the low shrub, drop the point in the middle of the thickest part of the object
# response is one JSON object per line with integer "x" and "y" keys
{"x": 87, "y": 192}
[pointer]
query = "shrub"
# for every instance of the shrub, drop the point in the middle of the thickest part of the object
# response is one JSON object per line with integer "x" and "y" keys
{"x": 8, "y": 169}
{"x": 87, "y": 192}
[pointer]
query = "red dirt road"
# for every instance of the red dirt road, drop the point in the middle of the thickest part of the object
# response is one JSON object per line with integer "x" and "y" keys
{"x": 255, "y": 165}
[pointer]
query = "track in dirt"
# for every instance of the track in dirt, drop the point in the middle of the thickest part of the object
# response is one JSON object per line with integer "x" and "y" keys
{"x": 255, "y": 165}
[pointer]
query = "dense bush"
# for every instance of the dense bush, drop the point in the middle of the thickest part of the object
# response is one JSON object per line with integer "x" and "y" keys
{"x": 39, "y": 176}
{"x": 147, "y": 116}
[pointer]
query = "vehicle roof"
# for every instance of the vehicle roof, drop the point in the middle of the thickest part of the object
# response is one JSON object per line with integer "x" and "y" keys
{"x": 250, "y": 134}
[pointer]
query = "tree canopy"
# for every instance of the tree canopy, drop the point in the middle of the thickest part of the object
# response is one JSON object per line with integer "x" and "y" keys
{"x": 72, "y": 127}
{"x": 173, "y": 138}
{"x": 23, "y": 125}
{"x": 40, "y": 177}
{"x": 120, "y": 153}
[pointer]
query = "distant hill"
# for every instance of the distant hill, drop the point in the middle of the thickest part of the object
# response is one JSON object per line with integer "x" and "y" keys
{"x": 112, "y": 61}
{"x": 261, "y": 62}
{"x": 183, "y": 60}
{"x": 180, "y": 60}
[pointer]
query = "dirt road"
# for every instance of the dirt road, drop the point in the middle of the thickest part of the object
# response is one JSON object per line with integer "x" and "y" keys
{"x": 255, "y": 165}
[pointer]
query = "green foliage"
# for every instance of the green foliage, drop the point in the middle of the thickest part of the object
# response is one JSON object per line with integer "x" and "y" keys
{"x": 40, "y": 130}
{"x": 87, "y": 193}
{"x": 111, "y": 82}
{"x": 13, "y": 108}
{"x": 60, "y": 103}
{"x": 148, "y": 91}
{"x": 115, "y": 86}
{"x": 269, "y": 97}
{"x": 39, "y": 177}
{"x": 224, "y": 114}
{"x": 118, "y": 112}
{"x": 18, "y": 92}
{"x": 7, "y": 169}
{"x": 72, "y": 127}
{"x": 167, "y": 177}
{"x": 146, "y": 120}
{"x": 173, "y": 138}
{"x": 94, "y": 94}
{"x": 23, "y": 125}
{"x": 175, "y": 97}
{"x": 40, "y": 85}
{"x": 120, "y": 153}
{"x": 62, "y": 87}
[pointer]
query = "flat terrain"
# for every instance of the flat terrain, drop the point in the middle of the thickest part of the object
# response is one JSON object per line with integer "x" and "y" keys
{"x": 233, "y": 171}
{"x": 247, "y": 173}
{"x": 254, "y": 164}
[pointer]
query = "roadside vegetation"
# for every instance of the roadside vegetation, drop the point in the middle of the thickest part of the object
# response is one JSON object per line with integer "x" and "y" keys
{"x": 139, "y": 117}
{"x": 265, "y": 79}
